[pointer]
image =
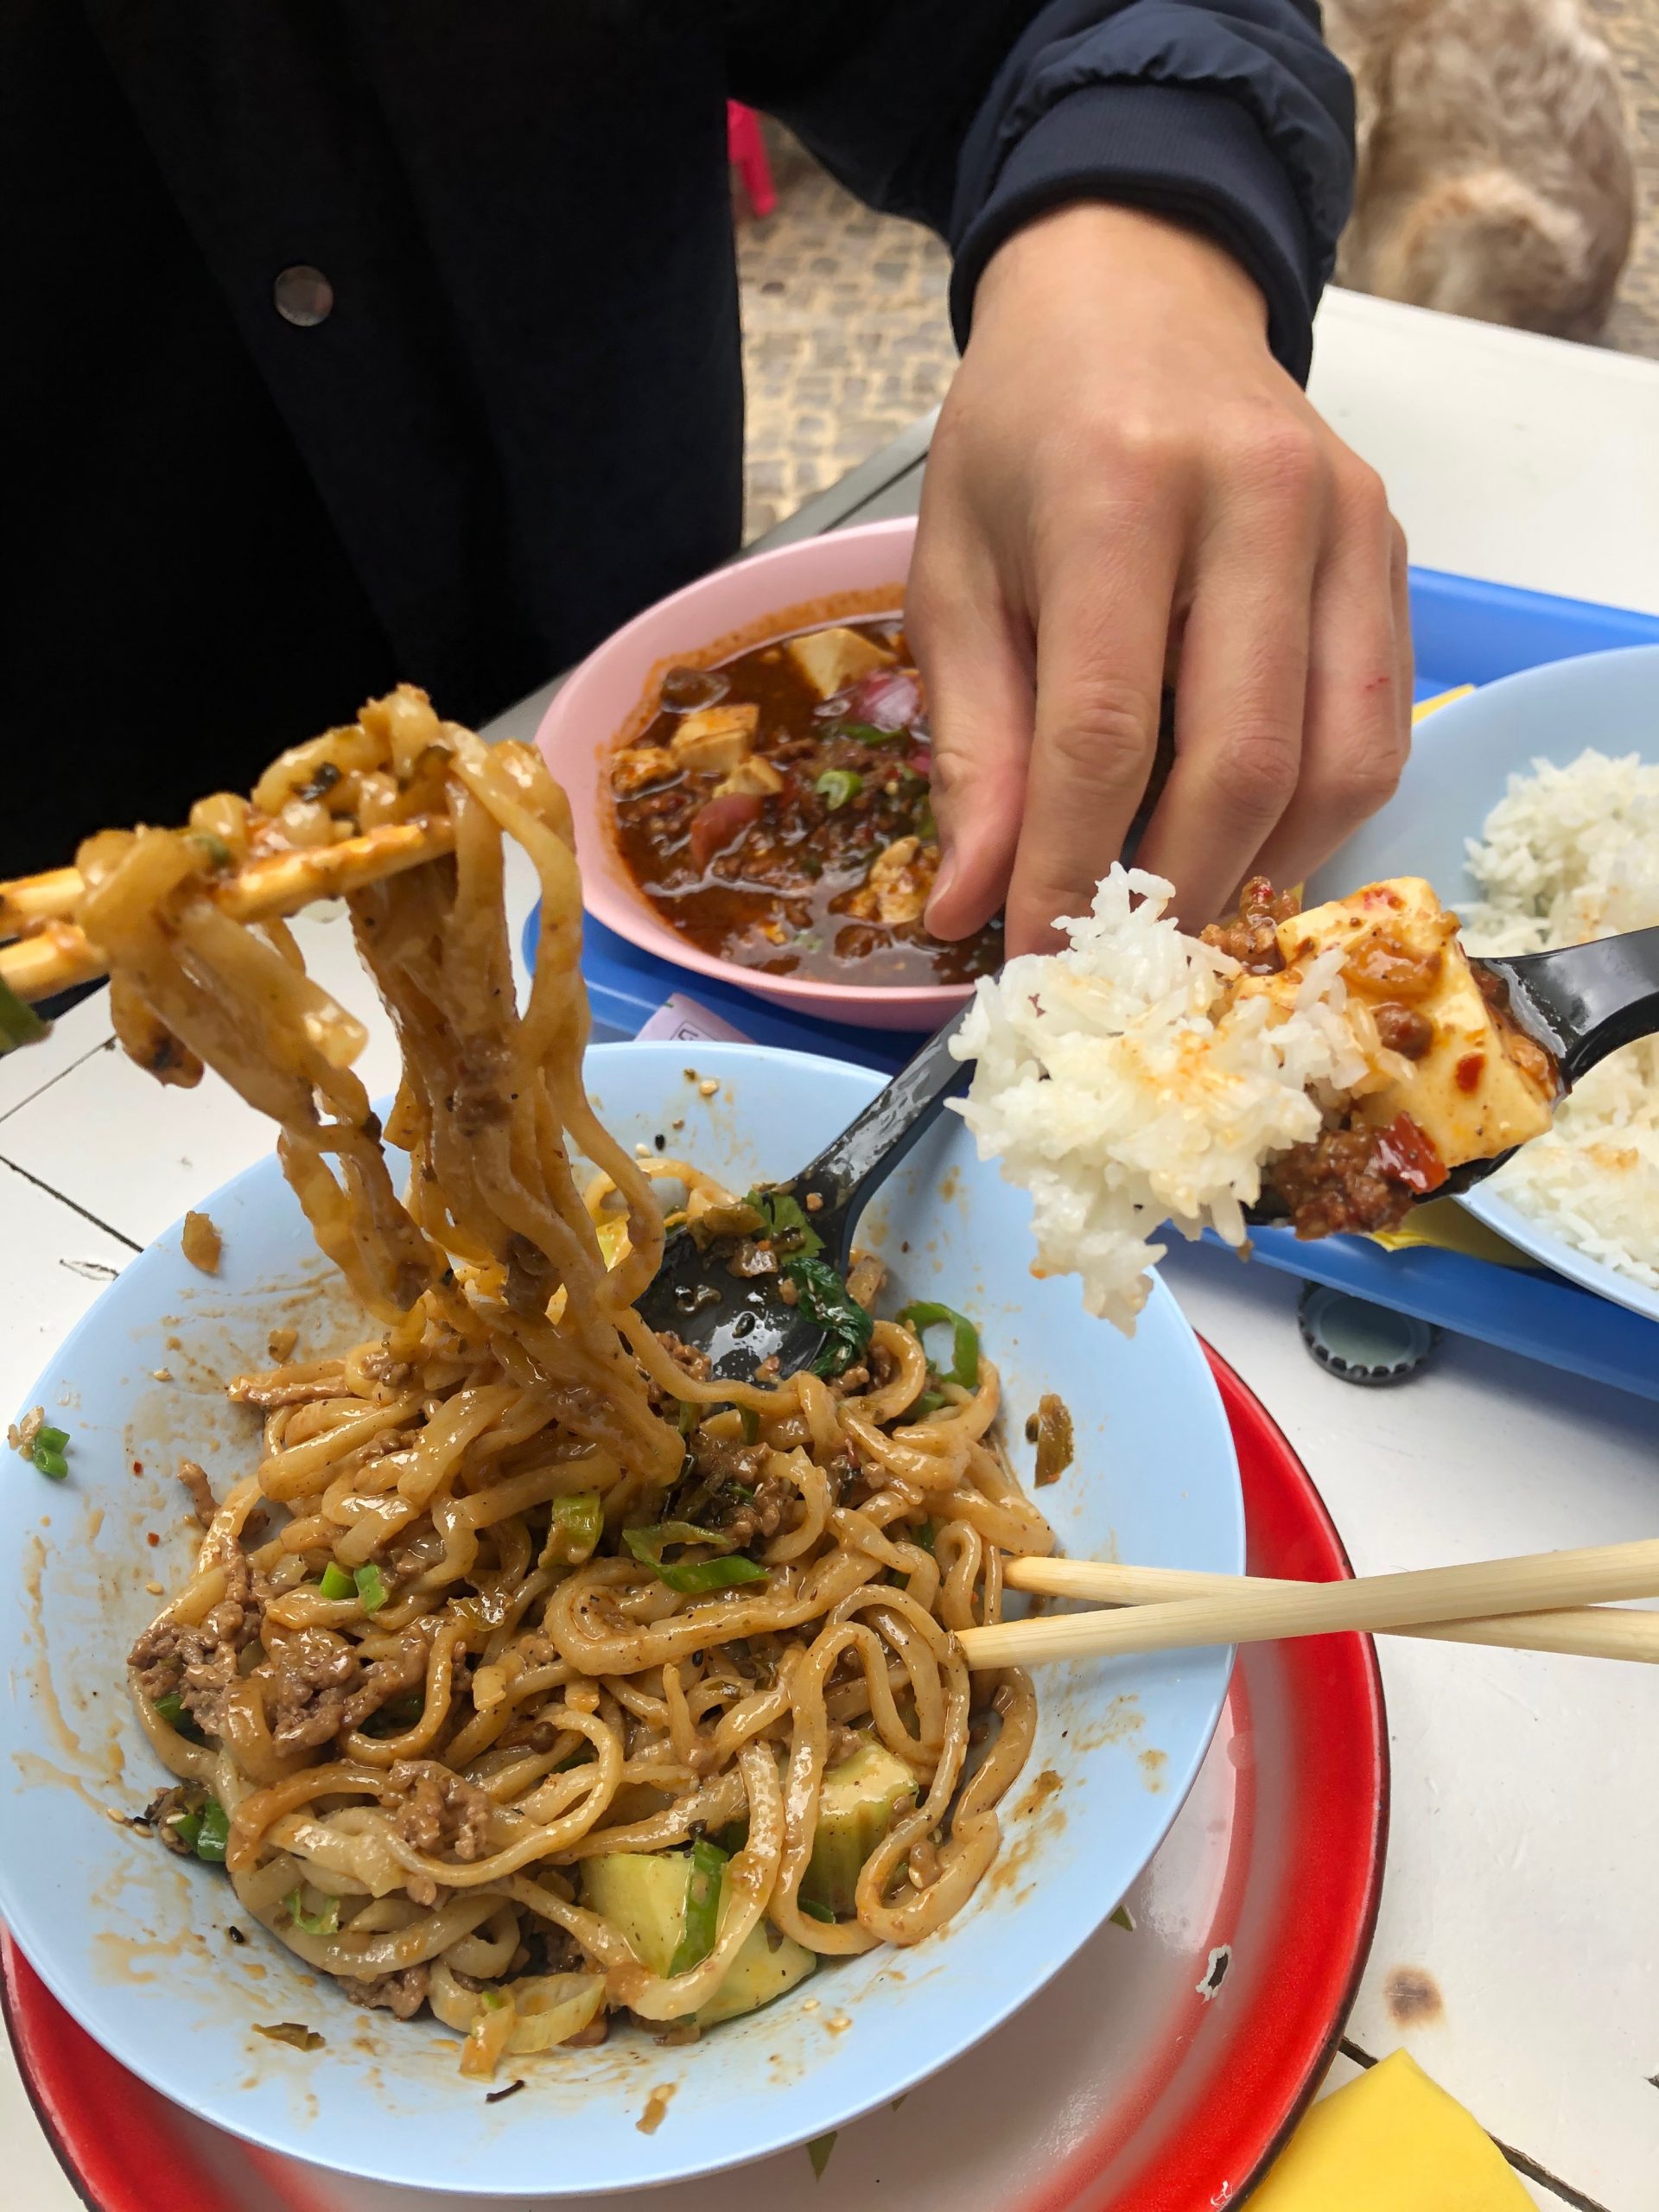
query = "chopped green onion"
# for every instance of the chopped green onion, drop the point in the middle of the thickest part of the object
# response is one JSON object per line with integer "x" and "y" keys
{"x": 814, "y": 1911}
{"x": 690, "y": 1575}
{"x": 371, "y": 1590}
{"x": 325, "y": 1922}
{"x": 867, "y": 733}
{"x": 648, "y": 1545}
{"x": 573, "y": 1535}
{"x": 926, "y": 826}
{"x": 703, "y": 1886}
{"x": 929, "y": 1402}
{"x": 826, "y": 1300}
{"x": 55, "y": 1440}
{"x": 924, "y": 1534}
{"x": 924, "y": 1316}
{"x": 687, "y": 1415}
{"x": 210, "y": 1834}
{"x": 19, "y": 1023}
{"x": 336, "y": 1584}
{"x": 49, "y": 1462}
{"x": 168, "y": 1707}
{"x": 492, "y": 1999}
{"x": 751, "y": 1423}
{"x": 836, "y": 786}
{"x": 218, "y": 852}
{"x": 694, "y": 1576}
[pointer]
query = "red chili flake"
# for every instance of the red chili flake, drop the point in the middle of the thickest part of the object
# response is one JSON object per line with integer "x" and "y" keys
{"x": 137, "y": 1466}
{"x": 1406, "y": 1154}
{"x": 152, "y": 1539}
{"x": 1469, "y": 1070}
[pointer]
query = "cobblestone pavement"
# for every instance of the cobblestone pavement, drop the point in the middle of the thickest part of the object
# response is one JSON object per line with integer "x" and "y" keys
{"x": 846, "y": 337}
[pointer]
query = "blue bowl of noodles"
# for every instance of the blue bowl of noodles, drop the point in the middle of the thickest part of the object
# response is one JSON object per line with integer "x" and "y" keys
{"x": 136, "y": 1943}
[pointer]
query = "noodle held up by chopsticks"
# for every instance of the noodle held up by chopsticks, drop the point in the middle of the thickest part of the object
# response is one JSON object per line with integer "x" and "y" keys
{"x": 531, "y": 1674}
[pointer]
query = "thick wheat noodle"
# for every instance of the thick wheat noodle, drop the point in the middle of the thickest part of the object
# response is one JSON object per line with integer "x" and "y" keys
{"x": 504, "y": 1711}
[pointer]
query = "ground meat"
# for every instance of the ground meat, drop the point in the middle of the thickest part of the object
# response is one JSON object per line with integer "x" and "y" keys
{"x": 402, "y": 1993}
{"x": 1336, "y": 1182}
{"x": 696, "y": 1364}
{"x": 201, "y": 1663}
{"x": 1250, "y": 936}
{"x": 381, "y": 1366}
{"x": 762, "y": 1515}
{"x": 313, "y": 1676}
{"x": 1404, "y": 1029}
{"x": 441, "y": 1812}
{"x": 194, "y": 1479}
{"x": 720, "y": 1462}
{"x": 385, "y": 1679}
{"x": 163, "y": 1812}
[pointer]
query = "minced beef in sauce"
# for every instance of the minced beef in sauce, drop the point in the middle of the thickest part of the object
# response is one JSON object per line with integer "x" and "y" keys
{"x": 827, "y": 874}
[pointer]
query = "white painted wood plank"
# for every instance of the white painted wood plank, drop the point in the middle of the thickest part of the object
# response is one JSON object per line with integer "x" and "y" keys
{"x": 1519, "y": 1875}
{"x": 1521, "y": 459}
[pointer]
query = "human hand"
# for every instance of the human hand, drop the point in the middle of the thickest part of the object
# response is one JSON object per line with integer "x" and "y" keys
{"x": 1124, "y": 479}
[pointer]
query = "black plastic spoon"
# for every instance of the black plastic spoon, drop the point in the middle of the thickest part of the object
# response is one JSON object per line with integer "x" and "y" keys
{"x": 1579, "y": 1003}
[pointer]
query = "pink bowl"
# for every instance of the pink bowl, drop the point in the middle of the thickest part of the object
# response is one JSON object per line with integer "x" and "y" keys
{"x": 849, "y": 572}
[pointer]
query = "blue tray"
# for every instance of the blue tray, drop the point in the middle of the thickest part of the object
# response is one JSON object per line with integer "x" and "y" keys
{"x": 1465, "y": 632}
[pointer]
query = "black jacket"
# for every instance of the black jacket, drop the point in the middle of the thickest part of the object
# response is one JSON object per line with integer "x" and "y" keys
{"x": 522, "y": 417}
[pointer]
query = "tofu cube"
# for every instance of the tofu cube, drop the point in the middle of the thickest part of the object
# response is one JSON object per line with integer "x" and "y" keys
{"x": 637, "y": 766}
{"x": 1468, "y": 1092}
{"x": 714, "y": 738}
{"x": 832, "y": 659}
{"x": 753, "y": 777}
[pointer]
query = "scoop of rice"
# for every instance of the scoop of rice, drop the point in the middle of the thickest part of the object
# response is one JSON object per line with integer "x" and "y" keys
{"x": 1568, "y": 855}
{"x": 1123, "y": 1086}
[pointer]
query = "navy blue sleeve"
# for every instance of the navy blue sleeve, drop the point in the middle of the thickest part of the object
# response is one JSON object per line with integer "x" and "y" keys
{"x": 975, "y": 116}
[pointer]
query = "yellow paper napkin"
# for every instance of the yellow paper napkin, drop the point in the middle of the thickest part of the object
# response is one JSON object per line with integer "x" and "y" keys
{"x": 1391, "y": 2142}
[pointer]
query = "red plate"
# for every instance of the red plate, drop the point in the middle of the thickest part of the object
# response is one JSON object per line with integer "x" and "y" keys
{"x": 1159, "y": 2073}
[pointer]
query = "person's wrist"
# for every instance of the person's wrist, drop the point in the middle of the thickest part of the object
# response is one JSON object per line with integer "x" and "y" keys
{"x": 1114, "y": 251}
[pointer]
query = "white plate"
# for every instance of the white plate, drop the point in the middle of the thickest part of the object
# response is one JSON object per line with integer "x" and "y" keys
{"x": 1461, "y": 762}
{"x": 134, "y": 1942}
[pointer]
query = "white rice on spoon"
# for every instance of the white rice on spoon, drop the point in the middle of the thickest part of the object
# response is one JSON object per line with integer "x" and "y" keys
{"x": 1121, "y": 1085}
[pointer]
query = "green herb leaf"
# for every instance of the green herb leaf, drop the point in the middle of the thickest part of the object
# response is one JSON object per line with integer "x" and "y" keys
{"x": 336, "y": 1584}
{"x": 792, "y": 1233}
{"x": 826, "y": 1300}
{"x": 574, "y": 1532}
{"x": 836, "y": 786}
{"x": 325, "y": 1922}
{"x": 702, "y": 1907}
{"x": 922, "y": 1316}
{"x": 371, "y": 1590}
{"x": 19, "y": 1023}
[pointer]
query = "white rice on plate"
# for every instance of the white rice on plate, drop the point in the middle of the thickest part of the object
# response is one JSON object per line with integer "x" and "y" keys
{"x": 1120, "y": 1084}
{"x": 1568, "y": 855}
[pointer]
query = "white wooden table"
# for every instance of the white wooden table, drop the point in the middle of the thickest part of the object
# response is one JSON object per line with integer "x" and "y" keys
{"x": 1522, "y": 1876}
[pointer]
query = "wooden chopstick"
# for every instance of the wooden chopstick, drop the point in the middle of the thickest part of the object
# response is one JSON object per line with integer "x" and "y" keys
{"x": 1575, "y": 1631}
{"x": 1249, "y": 1613}
{"x": 54, "y": 955}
